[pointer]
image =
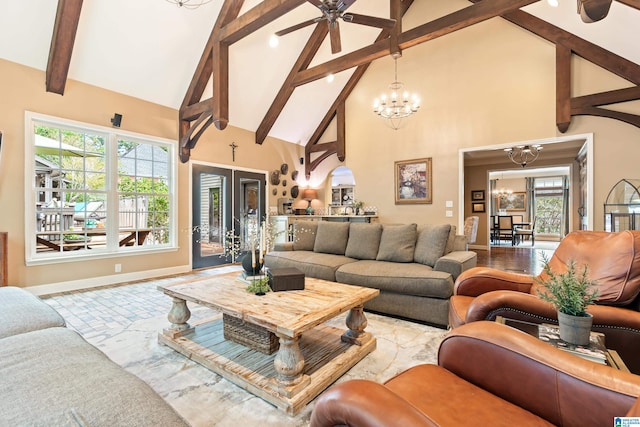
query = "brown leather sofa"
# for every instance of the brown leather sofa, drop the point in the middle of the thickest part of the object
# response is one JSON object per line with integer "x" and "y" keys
{"x": 613, "y": 260}
{"x": 488, "y": 374}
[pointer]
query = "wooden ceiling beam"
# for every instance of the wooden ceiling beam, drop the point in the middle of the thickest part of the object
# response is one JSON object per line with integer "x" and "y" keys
{"x": 477, "y": 12}
{"x": 631, "y": 3}
{"x": 195, "y": 116}
{"x": 563, "y": 88}
{"x": 287, "y": 88}
{"x": 62, "y": 41}
{"x": 593, "y": 53}
{"x": 256, "y": 18}
{"x": 229, "y": 11}
{"x": 607, "y": 98}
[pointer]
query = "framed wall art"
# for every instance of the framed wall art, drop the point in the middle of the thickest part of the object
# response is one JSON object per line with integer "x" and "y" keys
{"x": 477, "y": 195}
{"x": 477, "y": 207}
{"x": 413, "y": 181}
{"x": 513, "y": 202}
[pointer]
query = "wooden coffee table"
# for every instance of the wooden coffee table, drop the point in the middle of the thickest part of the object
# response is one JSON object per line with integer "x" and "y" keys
{"x": 312, "y": 354}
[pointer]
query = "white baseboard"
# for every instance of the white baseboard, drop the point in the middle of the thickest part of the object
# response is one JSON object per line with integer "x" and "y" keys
{"x": 96, "y": 282}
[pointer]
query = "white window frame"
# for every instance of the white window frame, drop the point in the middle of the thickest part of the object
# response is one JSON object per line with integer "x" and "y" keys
{"x": 112, "y": 248}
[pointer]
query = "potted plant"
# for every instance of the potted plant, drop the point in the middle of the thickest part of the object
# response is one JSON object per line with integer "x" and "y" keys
{"x": 259, "y": 286}
{"x": 570, "y": 293}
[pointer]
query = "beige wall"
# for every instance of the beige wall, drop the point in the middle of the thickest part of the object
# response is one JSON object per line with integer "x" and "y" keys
{"x": 23, "y": 89}
{"x": 489, "y": 84}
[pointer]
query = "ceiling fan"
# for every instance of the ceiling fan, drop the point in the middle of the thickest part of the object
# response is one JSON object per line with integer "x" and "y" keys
{"x": 332, "y": 10}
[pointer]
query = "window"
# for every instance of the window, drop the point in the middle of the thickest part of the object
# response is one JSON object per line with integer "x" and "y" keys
{"x": 96, "y": 191}
{"x": 549, "y": 200}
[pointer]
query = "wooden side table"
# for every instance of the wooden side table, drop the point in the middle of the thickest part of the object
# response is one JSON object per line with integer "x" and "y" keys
{"x": 610, "y": 357}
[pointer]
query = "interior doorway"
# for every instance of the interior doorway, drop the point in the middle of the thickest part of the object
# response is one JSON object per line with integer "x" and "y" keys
{"x": 225, "y": 203}
{"x": 537, "y": 199}
{"x": 475, "y": 164}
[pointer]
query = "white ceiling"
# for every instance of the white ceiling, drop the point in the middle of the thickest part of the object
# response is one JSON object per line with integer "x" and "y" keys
{"x": 149, "y": 49}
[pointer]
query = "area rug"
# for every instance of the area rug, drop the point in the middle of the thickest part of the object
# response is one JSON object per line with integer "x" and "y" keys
{"x": 202, "y": 397}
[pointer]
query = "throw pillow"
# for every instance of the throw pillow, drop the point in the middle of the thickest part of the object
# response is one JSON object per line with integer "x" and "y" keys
{"x": 432, "y": 241}
{"x": 332, "y": 237}
{"x": 364, "y": 240}
{"x": 304, "y": 235}
{"x": 397, "y": 243}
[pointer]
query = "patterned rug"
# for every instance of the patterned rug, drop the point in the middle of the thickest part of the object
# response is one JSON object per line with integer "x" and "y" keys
{"x": 124, "y": 322}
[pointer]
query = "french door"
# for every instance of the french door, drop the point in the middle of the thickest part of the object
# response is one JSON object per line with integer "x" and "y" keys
{"x": 224, "y": 200}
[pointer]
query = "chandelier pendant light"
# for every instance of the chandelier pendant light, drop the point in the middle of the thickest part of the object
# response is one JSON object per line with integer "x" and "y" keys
{"x": 189, "y": 4}
{"x": 398, "y": 104}
{"x": 523, "y": 154}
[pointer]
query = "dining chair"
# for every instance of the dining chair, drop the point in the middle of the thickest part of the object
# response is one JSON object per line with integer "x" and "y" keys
{"x": 528, "y": 231}
{"x": 493, "y": 232}
{"x": 505, "y": 228}
{"x": 518, "y": 218}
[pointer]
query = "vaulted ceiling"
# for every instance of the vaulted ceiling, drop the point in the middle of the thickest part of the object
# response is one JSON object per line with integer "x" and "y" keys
{"x": 153, "y": 50}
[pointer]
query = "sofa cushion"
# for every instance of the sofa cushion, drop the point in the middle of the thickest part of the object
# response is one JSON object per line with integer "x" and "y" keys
{"x": 331, "y": 237}
{"x": 21, "y": 312}
{"x": 408, "y": 279}
{"x": 364, "y": 240}
{"x": 431, "y": 244}
{"x": 312, "y": 264}
{"x": 397, "y": 243}
{"x": 451, "y": 242}
{"x": 304, "y": 235}
{"x": 53, "y": 377}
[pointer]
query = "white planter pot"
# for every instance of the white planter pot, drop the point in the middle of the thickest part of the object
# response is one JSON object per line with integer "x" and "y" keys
{"x": 575, "y": 329}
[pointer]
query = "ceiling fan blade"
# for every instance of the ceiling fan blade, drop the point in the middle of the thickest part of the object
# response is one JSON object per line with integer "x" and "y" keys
{"x": 297, "y": 26}
{"x": 371, "y": 21}
{"x": 334, "y": 35}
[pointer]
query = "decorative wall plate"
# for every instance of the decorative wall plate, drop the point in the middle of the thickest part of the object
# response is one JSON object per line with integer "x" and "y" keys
{"x": 294, "y": 175}
{"x": 284, "y": 182}
{"x": 274, "y": 191}
{"x": 294, "y": 191}
{"x": 284, "y": 192}
{"x": 284, "y": 168}
{"x": 274, "y": 177}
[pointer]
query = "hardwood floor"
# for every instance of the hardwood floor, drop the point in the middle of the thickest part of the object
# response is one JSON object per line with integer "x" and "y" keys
{"x": 525, "y": 260}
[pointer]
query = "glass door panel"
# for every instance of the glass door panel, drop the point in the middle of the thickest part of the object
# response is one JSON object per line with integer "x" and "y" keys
{"x": 249, "y": 206}
{"x": 211, "y": 212}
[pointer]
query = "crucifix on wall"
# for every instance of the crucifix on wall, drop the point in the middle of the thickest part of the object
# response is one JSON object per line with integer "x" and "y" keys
{"x": 233, "y": 151}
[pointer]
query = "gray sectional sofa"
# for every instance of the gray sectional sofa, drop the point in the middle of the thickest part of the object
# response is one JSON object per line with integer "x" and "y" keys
{"x": 51, "y": 376}
{"x": 414, "y": 267}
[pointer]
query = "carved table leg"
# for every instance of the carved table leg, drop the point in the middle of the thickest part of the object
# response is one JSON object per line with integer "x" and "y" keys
{"x": 178, "y": 316}
{"x": 356, "y": 322}
{"x": 289, "y": 364}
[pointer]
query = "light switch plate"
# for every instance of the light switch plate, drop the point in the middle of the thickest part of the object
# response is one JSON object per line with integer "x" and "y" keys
{"x": 449, "y": 214}
{"x": 448, "y": 204}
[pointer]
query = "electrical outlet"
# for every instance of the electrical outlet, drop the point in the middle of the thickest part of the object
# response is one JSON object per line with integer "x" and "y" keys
{"x": 118, "y": 268}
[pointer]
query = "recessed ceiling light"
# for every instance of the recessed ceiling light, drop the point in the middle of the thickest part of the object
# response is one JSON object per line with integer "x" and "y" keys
{"x": 330, "y": 78}
{"x": 273, "y": 40}
{"x": 553, "y": 3}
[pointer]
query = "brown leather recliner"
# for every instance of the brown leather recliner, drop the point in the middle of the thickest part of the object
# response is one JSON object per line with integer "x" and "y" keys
{"x": 487, "y": 375}
{"x": 613, "y": 261}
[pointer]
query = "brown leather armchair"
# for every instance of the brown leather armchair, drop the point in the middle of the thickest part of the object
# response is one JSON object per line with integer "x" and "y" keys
{"x": 488, "y": 374}
{"x": 613, "y": 260}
